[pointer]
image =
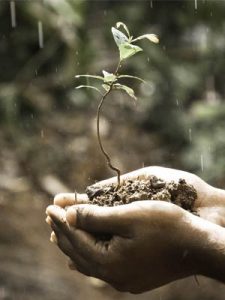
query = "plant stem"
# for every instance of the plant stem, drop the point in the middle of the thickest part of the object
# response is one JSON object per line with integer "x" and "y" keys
{"x": 99, "y": 137}
{"x": 98, "y": 129}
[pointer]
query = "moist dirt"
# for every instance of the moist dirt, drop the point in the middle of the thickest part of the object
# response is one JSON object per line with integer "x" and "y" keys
{"x": 153, "y": 188}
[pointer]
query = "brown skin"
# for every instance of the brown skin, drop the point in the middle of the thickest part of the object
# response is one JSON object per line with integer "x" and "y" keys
{"x": 151, "y": 242}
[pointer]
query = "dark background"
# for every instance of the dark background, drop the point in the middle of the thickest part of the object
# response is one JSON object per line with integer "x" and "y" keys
{"x": 47, "y": 128}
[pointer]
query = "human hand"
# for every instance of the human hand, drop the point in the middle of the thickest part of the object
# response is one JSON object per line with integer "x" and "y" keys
{"x": 210, "y": 203}
{"x": 145, "y": 237}
{"x": 148, "y": 242}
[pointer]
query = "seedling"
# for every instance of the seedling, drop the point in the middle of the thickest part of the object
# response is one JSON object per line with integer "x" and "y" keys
{"x": 110, "y": 81}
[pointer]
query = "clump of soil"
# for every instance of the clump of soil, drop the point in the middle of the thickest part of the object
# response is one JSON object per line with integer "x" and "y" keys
{"x": 153, "y": 188}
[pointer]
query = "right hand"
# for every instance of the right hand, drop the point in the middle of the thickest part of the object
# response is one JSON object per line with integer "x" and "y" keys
{"x": 210, "y": 203}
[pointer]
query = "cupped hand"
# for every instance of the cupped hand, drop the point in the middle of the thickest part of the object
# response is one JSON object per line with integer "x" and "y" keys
{"x": 210, "y": 203}
{"x": 134, "y": 247}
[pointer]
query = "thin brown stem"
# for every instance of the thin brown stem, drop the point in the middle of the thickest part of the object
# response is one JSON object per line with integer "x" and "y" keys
{"x": 98, "y": 128}
{"x": 99, "y": 137}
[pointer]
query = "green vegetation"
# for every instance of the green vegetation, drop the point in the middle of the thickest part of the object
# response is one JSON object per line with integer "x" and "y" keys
{"x": 180, "y": 109}
{"x": 110, "y": 81}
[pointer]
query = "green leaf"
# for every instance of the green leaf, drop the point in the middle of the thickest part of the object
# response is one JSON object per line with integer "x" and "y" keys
{"x": 150, "y": 36}
{"x": 125, "y": 88}
{"x": 128, "y": 50}
{"x": 132, "y": 77}
{"x": 119, "y": 37}
{"x": 119, "y": 24}
{"x": 109, "y": 77}
{"x": 90, "y": 76}
{"x": 88, "y": 87}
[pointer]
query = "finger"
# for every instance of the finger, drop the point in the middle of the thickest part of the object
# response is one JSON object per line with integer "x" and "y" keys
{"x": 58, "y": 217}
{"x": 143, "y": 173}
{"x": 68, "y": 199}
{"x": 84, "y": 244}
{"x": 87, "y": 253}
{"x": 68, "y": 249}
{"x": 48, "y": 220}
{"x": 61, "y": 240}
{"x": 213, "y": 214}
{"x": 96, "y": 219}
{"x": 140, "y": 173}
{"x": 53, "y": 238}
{"x": 72, "y": 265}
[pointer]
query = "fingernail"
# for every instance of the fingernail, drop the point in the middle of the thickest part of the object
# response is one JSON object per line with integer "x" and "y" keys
{"x": 48, "y": 209}
{"x": 48, "y": 220}
{"x": 53, "y": 238}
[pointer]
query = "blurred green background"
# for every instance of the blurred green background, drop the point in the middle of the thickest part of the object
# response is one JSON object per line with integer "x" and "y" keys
{"x": 47, "y": 128}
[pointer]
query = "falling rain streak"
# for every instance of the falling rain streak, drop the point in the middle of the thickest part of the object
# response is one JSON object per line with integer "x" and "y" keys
{"x": 40, "y": 34}
{"x": 151, "y": 4}
{"x": 13, "y": 13}
{"x": 196, "y": 4}
{"x": 202, "y": 162}
{"x": 190, "y": 135}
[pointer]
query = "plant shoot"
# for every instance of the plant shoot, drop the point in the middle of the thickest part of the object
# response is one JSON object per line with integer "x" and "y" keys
{"x": 110, "y": 81}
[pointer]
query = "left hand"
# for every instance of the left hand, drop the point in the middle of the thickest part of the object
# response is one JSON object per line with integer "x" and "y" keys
{"x": 139, "y": 246}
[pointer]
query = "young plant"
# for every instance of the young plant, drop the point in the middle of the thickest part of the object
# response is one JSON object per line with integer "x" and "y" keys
{"x": 110, "y": 81}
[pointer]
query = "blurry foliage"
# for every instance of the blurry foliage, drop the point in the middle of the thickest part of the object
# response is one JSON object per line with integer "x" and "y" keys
{"x": 185, "y": 72}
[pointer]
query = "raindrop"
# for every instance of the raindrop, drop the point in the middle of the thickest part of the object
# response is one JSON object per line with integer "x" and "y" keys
{"x": 190, "y": 134}
{"x": 177, "y": 102}
{"x": 13, "y": 13}
{"x": 36, "y": 72}
{"x": 202, "y": 162}
{"x": 42, "y": 134}
{"x": 151, "y": 4}
{"x": 196, "y": 4}
{"x": 40, "y": 35}
{"x": 148, "y": 59}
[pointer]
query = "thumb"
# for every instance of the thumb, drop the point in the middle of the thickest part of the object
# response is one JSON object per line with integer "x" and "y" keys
{"x": 98, "y": 219}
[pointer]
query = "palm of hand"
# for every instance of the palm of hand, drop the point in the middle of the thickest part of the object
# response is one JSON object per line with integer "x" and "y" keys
{"x": 210, "y": 203}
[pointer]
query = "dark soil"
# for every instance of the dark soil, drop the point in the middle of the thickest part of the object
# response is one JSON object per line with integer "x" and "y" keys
{"x": 153, "y": 188}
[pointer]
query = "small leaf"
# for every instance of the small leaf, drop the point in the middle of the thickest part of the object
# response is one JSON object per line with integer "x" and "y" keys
{"x": 128, "y": 50}
{"x": 90, "y": 76}
{"x": 106, "y": 87}
{"x": 125, "y": 88}
{"x": 88, "y": 87}
{"x": 119, "y": 37}
{"x": 150, "y": 36}
{"x": 119, "y": 24}
{"x": 132, "y": 77}
{"x": 109, "y": 77}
